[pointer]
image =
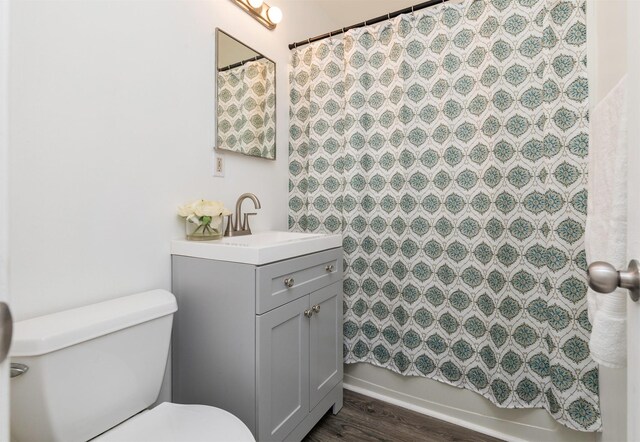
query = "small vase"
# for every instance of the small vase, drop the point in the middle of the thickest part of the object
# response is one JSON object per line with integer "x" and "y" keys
{"x": 210, "y": 228}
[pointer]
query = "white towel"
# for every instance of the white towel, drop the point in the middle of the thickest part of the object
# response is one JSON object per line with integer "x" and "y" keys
{"x": 606, "y": 229}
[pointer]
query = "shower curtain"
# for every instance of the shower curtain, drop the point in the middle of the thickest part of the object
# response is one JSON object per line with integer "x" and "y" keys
{"x": 449, "y": 148}
{"x": 246, "y": 109}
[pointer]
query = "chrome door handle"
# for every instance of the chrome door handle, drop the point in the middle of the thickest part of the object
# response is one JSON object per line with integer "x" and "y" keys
{"x": 316, "y": 308}
{"x": 604, "y": 278}
{"x": 6, "y": 330}
{"x": 288, "y": 282}
{"x": 308, "y": 313}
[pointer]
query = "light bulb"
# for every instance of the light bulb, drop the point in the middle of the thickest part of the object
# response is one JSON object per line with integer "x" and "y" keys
{"x": 275, "y": 14}
{"x": 255, "y": 4}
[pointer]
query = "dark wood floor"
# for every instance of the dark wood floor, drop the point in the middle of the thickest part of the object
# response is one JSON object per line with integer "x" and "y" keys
{"x": 366, "y": 419}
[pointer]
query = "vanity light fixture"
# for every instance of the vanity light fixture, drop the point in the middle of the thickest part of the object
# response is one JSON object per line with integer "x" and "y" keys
{"x": 268, "y": 16}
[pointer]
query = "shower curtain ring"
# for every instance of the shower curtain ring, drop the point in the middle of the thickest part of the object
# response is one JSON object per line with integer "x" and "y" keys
{"x": 388, "y": 16}
{"x": 412, "y": 9}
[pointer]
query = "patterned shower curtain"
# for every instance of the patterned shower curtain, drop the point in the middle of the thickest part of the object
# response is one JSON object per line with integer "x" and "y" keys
{"x": 449, "y": 148}
{"x": 246, "y": 109}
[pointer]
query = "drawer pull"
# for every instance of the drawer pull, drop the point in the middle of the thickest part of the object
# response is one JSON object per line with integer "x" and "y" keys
{"x": 288, "y": 282}
{"x": 308, "y": 313}
{"x": 329, "y": 268}
{"x": 316, "y": 308}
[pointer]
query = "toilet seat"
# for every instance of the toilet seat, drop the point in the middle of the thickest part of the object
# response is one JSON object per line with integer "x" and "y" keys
{"x": 170, "y": 422}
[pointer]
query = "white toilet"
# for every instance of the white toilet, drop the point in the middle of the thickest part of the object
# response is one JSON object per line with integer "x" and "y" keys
{"x": 93, "y": 372}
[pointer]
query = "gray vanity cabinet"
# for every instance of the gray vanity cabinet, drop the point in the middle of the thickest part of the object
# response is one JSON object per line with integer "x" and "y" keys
{"x": 262, "y": 342}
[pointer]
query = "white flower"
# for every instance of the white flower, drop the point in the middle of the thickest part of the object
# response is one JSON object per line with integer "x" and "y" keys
{"x": 202, "y": 208}
{"x": 210, "y": 208}
{"x": 188, "y": 209}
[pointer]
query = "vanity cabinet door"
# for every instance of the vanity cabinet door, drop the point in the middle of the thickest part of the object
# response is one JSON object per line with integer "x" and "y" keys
{"x": 283, "y": 369}
{"x": 325, "y": 342}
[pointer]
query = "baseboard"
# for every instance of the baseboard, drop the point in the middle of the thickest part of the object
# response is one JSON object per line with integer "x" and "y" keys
{"x": 377, "y": 392}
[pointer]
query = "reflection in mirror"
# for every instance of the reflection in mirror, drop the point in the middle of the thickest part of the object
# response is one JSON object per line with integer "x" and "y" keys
{"x": 246, "y": 99}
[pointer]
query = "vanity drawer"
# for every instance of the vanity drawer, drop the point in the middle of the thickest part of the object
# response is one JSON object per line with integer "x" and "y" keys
{"x": 284, "y": 281}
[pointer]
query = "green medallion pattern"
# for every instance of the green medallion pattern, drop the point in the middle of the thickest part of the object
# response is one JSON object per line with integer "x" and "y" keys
{"x": 449, "y": 147}
{"x": 246, "y": 109}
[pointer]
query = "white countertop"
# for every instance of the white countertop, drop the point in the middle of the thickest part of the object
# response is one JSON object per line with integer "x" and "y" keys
{"x": 258, "y": 248}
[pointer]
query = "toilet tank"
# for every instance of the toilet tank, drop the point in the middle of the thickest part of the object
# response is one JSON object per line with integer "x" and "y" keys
{"x": 90, "y": 368}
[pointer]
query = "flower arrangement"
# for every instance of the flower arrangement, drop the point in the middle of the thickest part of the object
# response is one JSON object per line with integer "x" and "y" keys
{"x": 203, "y": 219}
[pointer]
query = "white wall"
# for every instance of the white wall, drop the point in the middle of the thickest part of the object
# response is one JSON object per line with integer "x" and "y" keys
{"x": 607, "y": 46}
{"x": 112, "y": 126}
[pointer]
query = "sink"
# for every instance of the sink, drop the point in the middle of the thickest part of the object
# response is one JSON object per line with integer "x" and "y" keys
{"x": 259, "y": 248}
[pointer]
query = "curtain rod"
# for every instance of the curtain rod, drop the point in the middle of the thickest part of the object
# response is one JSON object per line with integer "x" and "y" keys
{"x": 388, "y": 16}
{"x": 240, "y": 63}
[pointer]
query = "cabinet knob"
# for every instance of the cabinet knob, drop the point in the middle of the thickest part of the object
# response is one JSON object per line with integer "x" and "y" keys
{"x": 288, "y": 282}
{"x": 329, "y": 268}
{"x": 308, "y": 313}
{"x": 316, "y": 308}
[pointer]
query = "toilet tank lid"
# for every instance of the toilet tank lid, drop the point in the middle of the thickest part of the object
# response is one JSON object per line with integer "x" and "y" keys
{"x": 48, "y": 333}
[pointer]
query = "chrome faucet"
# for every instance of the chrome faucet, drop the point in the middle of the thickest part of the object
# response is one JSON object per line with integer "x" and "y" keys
{"x": 234, "y": 226}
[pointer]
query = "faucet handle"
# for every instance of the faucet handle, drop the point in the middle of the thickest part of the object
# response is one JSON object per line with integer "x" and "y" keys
{"x": 228, "y": 231}
{"x": 245, "y": 221}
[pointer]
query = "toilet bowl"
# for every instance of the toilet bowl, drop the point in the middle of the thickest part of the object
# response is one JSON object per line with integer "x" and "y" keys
{"x": 93, "y": 372}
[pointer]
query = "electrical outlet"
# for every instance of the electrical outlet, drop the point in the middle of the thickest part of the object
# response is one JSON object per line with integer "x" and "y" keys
{"x": 218, "y": 164}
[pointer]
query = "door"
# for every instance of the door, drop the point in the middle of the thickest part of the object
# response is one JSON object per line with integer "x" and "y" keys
{"x": 325, "y": 342}
{"x": 283, "y": 369}
{"x": 4, "y": 295}
{"x": 633, "y": 246}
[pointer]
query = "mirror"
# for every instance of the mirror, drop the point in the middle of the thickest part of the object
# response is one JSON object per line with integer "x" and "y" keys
{"x": 245, "y": 99}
